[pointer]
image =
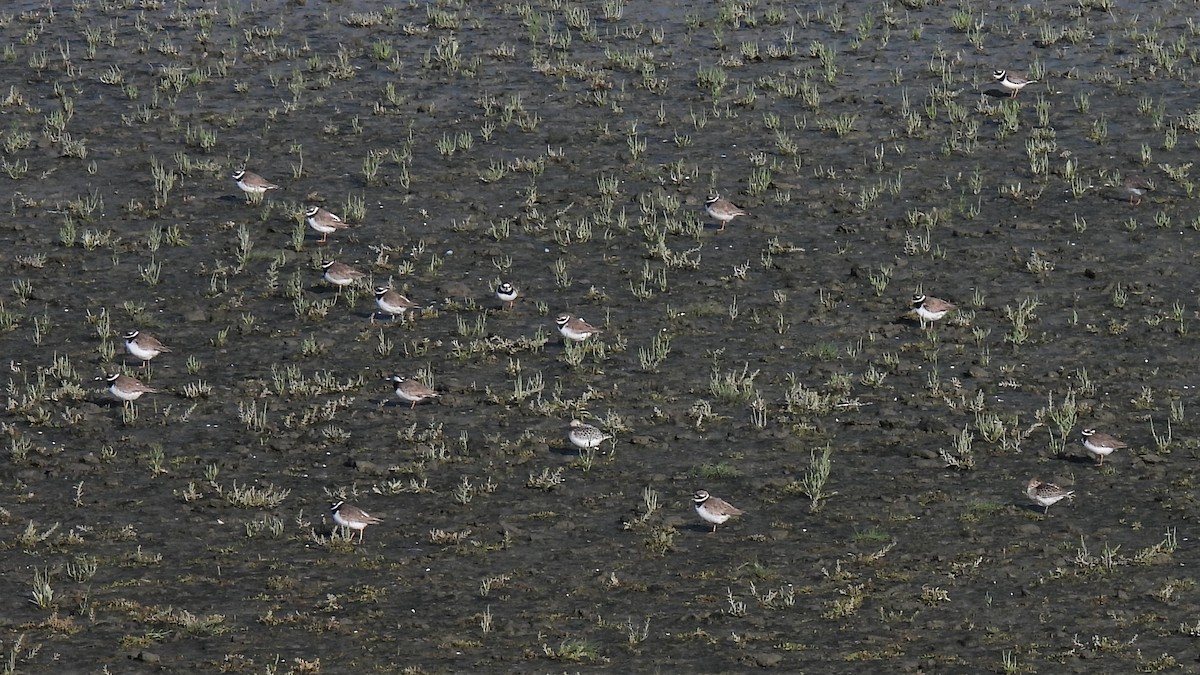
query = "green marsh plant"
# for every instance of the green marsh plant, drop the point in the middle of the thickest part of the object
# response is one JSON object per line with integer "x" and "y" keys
{"x": 816, "y": 477}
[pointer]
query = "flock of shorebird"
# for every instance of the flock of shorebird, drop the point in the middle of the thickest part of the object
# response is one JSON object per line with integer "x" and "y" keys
{"x": 930, "y": 309}
{"x": 1099, "y": 445}
{"x": 713, "y": 510}
{"x": 146, "y": 347}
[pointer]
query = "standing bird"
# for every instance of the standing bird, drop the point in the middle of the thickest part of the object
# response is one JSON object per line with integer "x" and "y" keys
{"x": 352, "y": 518}
{"x": 575, "y": 328}
{"x": 585, "y": 436}
{"x": 143, "y": 346}
{"x": 340, "y": 274}
{"x": 253, "y": 184}
{"x": 930, "y": 309}
{"x": 128, "y": 388}
{"x": 1100, "y": 445}
{"x": 1046, "y": 494}
{"x": 722, "y": 210}
{"x": 1012, "y": 80}
{"x": 411, "y": 391}
{"x": 390, "y": 301}
{"x": 714, "y": 509}
{"x": 506, "y": 292}
{"x": 1135, "y": 187}
{"x": 323, "y": 221}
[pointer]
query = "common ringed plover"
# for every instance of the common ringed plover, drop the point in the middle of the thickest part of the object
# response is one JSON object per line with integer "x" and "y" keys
{"x": 143, "y": 345}
{"x": 352, "y": 518}
{"x": 392, "y": 302}
{"x": 506, "y": 292}
{"x": 1012, "y": 80}
{"x": 252, "y": 183}
{"x": 411, "y": 390}
{"x": 722, "y": 210}
{"x": 323, "y": 221}
{"x": 575, "y": 328}
{"x": 128, "y": 388}
{"x": 340, "y": 274}
{"x": 714, "y": 509}
{"x": 1101, "y": 445}
{"x": 930, "y": 309}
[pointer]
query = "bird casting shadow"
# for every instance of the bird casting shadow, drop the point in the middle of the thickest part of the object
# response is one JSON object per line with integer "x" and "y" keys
{"x": 1034, "y": 508}
{"x": 566, "y": 450}
{"x": 997, "y": 92}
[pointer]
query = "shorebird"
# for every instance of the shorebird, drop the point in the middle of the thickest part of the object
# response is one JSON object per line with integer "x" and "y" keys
{"x": 1135, "y": 187}
{"x": 585, "y": 436}
{"x": 392, "y": 302}
{"x": 722, "y": 210}
{"x": 575, "y": 328}
{"x": 1046, "y": 494}
{"x": 324, "y": 222}
{"x": 144, "y": 346}
{"x": 353, "y": 518}
{"x": 128, "y": 388}
{"x": 930, "y": 309}
{"x": 412, "y": 391}
{"x": 1012, "y": 80}
{"x": 714, "y": 509}
{"x": 1101, "y": 445}
{"x": 506, "y": 292}
{"x": 253, "y": 184}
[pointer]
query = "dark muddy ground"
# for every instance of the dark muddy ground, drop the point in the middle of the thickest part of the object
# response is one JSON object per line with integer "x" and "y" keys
{"x": 569, "y": 148}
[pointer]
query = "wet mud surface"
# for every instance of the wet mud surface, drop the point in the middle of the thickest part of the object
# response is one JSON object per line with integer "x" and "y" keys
{"x": 570, "y": 149}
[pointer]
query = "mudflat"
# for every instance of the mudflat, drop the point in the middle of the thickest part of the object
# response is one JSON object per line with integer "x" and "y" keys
{"x": 773, "y": 358}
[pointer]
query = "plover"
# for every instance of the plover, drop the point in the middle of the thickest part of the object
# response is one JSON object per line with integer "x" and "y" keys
{"x": 353, "y": 518}
{"x": 930, "y": 309}
{"x": 391, "y": 302}
{"x": 323, "y": 221}
{"x": 1101, "y": 445}
{"x": 714, "y": 509}
{"x": 575, "y": 328}
{"x": 128, "y": 388}
{"x": 411, "y": 390}
{"x": 722, "y": 210}
{"x": 506, "y": 292}
{"x": 253, "y": 184}
{"x": 340, "y": 274}
{"x": 1012, "y": 80}
{"x": 144, "y": 346}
